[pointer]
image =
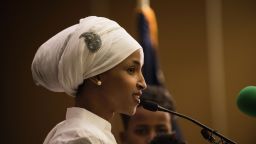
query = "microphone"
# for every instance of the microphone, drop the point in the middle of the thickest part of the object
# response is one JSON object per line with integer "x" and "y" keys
{"x": 206, "y": 132}
{"x": 246, "y": 100}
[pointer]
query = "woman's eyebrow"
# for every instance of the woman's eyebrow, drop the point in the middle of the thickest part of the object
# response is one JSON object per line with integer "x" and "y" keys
{"x": 136, "y": 62}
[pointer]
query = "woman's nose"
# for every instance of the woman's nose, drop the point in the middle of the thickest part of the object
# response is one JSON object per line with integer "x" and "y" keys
{"x": 141, "y": 84}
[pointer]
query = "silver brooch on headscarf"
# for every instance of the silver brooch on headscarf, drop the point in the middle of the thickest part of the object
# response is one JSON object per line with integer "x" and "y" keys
{"x": 92, "y": 40}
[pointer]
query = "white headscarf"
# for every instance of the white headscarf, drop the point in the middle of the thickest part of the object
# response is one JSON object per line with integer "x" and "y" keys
{"x": 63, "y": 62}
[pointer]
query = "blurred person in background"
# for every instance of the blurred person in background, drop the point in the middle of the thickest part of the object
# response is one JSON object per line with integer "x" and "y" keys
{"x": 145, "y": 125}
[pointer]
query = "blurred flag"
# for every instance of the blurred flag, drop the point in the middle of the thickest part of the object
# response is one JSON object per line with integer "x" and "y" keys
{"x": 148, "y": 38}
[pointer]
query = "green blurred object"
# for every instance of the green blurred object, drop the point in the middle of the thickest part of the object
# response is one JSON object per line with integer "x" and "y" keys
{"x": 246, "y": 100}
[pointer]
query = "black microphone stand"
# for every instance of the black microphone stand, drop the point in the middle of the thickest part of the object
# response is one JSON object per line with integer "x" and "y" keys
{"x": 206, "y": 132}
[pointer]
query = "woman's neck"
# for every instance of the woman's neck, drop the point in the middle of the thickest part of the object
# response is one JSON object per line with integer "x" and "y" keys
{"x": 94, "y": 105}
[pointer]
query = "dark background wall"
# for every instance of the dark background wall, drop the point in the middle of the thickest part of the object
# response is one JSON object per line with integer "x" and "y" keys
{"x": 29, "y": 112}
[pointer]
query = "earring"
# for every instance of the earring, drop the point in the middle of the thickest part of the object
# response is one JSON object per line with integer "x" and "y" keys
{"x": 96, "y": 81}
{"x": 99, "y": 82}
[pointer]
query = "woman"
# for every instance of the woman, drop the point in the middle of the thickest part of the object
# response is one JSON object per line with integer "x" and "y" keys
{"x": 98, "y": 63}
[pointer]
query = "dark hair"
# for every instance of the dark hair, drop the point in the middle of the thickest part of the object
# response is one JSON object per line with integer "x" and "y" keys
{"x": 157, "y": 94}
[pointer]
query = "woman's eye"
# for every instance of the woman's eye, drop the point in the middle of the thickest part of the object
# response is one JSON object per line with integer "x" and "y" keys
{"x": 131, "y": 70}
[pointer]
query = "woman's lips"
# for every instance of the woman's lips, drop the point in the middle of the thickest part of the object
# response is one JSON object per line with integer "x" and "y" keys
{"x": 137, "y": 97}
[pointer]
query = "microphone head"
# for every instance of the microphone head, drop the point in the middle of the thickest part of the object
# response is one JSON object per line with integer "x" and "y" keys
{"x": 246, "y": 100}
{"x": 148, "y": 105}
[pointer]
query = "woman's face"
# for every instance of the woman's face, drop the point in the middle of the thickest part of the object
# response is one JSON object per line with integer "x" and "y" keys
{"x": 122, "y": 86}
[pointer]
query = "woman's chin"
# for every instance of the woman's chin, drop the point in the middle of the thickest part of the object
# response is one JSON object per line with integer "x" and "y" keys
{"x": 132, "y": 111}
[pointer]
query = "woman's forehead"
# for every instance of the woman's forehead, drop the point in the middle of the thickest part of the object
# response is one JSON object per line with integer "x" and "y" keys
{"x": 135, "y": 58}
